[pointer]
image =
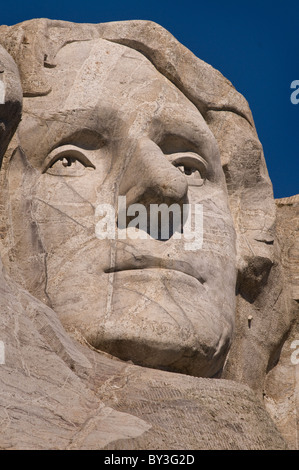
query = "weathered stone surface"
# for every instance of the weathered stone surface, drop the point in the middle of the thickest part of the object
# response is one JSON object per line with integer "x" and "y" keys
{"x": 260, "y": 325}
{"x": 191, "y": 413}
{"x": 44, "y": 404}
{"x": 282, "y": 384}
{"x": 123, "y": 109}
{"x": 10, "y": 99}
{"x": 288, "y": 232}
{"x": 57, "y": 394}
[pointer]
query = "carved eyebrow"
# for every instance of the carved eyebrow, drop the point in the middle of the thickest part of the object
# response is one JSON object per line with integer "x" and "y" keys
{"x": 179, "y": 143}
{"x": 87, "y": 139}
{"x": 174, "y": 143}
{"x": 182, "y": 132}
{"x": 202, "y": 144}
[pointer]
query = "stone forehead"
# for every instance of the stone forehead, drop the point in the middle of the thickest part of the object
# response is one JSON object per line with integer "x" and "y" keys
{"x": 92, "y": 66}
{"x": 35, "y": 43}
{"x": 101, "y": 73}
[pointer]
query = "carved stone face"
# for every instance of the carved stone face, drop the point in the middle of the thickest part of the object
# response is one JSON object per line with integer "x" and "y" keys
{"x": 114, "y": 126}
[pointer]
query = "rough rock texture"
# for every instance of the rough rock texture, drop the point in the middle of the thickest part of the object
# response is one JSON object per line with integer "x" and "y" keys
{"x": 123, "y": 109}
{"x": 288, "y": 233}
{"x": 58, "y": 394}
{"x": 282, "y": 384}
{"x": 191, "y": 413}
{"x": 10, "y": 99}
{"x": 44, "y": 403}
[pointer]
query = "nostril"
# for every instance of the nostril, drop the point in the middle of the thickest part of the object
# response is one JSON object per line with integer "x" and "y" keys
{"x": 157, "y": 221}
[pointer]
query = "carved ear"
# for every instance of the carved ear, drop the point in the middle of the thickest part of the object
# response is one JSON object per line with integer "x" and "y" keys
{"x": 263, "y": 315}
{"x": 10, "y": 100}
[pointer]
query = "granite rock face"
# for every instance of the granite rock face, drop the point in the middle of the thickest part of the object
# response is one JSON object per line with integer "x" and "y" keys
{"x": 112, "y": 129}
{"x": 114, "y": 341}
{"x": 282, "y": 384}
{"x": 10, "y": 99}
{"x": 59, "y": 394}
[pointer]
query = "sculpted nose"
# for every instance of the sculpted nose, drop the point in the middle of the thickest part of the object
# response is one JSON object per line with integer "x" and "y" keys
{"x": 150, "y": 178}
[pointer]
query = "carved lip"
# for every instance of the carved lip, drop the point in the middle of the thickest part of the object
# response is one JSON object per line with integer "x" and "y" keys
{"x": 151, "y": 262}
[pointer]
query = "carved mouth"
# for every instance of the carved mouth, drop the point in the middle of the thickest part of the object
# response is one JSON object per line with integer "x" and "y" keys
{"x": 140, "y": 262}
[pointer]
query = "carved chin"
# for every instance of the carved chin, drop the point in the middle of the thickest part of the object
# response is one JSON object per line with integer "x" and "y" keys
{"x": 162, "y": 319}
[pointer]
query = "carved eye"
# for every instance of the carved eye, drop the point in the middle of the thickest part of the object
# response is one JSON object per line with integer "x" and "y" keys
{"x": 67, "y": 160}
{"x": 192, "y": 165}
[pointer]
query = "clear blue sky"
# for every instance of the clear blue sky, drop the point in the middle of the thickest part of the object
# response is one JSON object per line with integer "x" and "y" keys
{"x": 255, "y": 44}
